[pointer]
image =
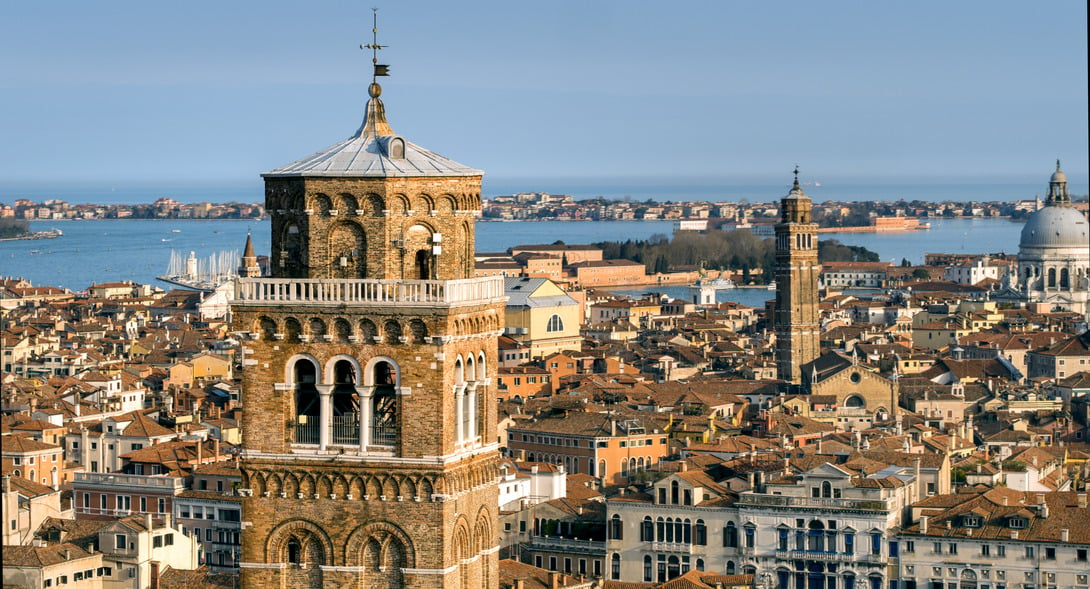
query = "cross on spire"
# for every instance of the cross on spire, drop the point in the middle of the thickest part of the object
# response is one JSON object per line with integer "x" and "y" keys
{"x": 379, "y": 69}
{"x": 796, "y": 175}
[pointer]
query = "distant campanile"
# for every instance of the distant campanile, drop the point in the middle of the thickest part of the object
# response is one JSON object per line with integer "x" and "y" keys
{"x": 796, "y": 313}
{"x": 369, "y": 454}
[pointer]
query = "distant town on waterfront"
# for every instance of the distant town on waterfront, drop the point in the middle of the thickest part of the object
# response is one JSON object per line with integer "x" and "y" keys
{"x": 542, "y": 206}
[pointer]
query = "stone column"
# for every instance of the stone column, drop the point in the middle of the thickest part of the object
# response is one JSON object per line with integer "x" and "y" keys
{"x": 365, "y": 394}
{"x": 471, "y": 421}
{"x": 325, "y": 414}
{"x": 459, "y": 412}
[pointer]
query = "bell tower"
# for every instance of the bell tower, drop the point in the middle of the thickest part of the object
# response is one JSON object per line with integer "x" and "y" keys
{"x": 796, "y": 321}
{"x": 370, "y": 452}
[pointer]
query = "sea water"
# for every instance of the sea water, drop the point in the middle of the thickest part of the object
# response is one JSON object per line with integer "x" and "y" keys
{"x": 109, "y": 250}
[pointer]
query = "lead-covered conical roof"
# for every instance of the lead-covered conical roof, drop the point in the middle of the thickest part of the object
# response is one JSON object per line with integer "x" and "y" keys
{"x": 374, "y": 151}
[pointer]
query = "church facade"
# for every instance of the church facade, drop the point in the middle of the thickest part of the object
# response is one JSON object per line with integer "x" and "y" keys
{"x": 370, "y": 454}
{"x": 1053, "y": 255}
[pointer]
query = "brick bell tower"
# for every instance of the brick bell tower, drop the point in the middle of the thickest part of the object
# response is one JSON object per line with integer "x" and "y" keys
{"x": 796, "y": 314}
{"x": 370, "y": 453}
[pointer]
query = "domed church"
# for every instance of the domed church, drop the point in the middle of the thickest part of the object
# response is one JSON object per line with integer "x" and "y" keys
{"x": 1054, "y": 254}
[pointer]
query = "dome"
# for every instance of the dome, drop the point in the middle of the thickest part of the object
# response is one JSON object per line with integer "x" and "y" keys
{"x": 1056, "y": 227}
{"x": 1058, "y": 175}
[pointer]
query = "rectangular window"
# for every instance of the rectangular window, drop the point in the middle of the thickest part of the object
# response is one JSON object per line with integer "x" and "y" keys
{"x": 162, "y": 505}
{"x": 953, "y": 548}
{"x": 1050, "y": 553}
{"x": 985, "y": 550}
{"x": 157, "y": 542}
{"x": 1001, "y": 550}
{"x": 552, "y": 563}
{"x": 120, "y": 542}
{"x": 1080, "y": 555}
{"x": 208, "y": 535}
{"x": 1029, "y": 551}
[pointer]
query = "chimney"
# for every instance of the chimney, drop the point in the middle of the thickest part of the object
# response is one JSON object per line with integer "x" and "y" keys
{"x": 1082, "y": 500}
{"x": 1004, "y": 501}
{"x": 147, "y": 521}
{"x": 819, "y": 445}
{"x": 216, "y": 445}
{"x": 682, "y": 466}
{"x": 67, "y": 554}
{"x": 519, "y": 584}
{"x": 923, "y": 524}
{"x": 200, "y": 451}
{"x": 554, "y": 580}
{"x": 166, "y": 520}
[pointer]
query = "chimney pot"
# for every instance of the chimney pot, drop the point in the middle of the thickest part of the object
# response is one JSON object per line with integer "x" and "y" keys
{"x": 1082, "y": 499}
{"x": 923, "y": 524}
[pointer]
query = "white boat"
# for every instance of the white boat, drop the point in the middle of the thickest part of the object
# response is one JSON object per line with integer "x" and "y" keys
{"x": 772, "y": 285}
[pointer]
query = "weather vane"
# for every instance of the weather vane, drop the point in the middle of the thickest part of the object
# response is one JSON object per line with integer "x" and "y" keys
{"x": 380, "y": 69}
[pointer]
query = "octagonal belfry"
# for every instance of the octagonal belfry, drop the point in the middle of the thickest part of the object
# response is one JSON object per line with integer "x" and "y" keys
{"x": 370, "y": 454}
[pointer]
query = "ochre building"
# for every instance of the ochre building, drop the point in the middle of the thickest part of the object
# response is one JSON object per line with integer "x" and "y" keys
{"x": 369, "y": 455}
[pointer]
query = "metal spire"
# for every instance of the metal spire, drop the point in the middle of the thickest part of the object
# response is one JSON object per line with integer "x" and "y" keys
{"x": 379, "y": 69}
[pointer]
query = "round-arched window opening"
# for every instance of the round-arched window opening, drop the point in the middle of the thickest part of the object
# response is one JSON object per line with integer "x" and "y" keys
{"x": 855, "y": 401}
{"x": 856, "y": 377}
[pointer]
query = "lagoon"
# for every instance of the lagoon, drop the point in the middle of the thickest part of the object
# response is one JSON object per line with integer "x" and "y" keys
{"x": 107, "y": 250}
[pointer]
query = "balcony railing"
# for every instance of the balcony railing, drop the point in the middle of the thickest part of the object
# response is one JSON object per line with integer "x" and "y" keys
{"x": 672, "y": 547}
{"x": 144, "y": 483}
{"x": 762, "y": 500}
{"x": 307, "y": 432}
{"x": 325, "y": 291}
{"x": 346, "y": 429}
{"x": 383, "y": 434}
{"x": 566, "y": 544}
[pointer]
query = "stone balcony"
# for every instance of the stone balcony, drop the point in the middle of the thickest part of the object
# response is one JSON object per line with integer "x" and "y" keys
{"x": 762, "y": 500}
{"x": 367, "y": 292}
{"x": 133, "y": 482}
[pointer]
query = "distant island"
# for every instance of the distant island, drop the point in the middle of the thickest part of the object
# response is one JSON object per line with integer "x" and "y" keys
{"x": 23, "y": 210}
{"x": 900, "y": 215}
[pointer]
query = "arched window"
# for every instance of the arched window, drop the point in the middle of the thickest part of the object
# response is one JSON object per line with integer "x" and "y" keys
{"x": 307, "y": 406}
{"x": 731, "y": 569}
{"x": 700, "y": 564}
{"x": 826, "y": 489}
{"x": 294, "y": 552}
{"x": 423, "y": 265}
{"x": 647, "y": 530}
{"x": 384, "y": 406}
{"x": 673, "y": 567}
{"x": 730, "y": 535}
{"x": 616, "y": 527}
{"x": 615, "y": 566}
{"x": 1052, "y": 278}
{"x": 602, "y": 469}
{"x": 674, "y": 492}
{"x": 816, "y": 536}
{"x": 346, "y": 404}
{"x": 1065, "y": 279}
{"x": 555, "y": 324}
{"x": 647, "y": 568}
{"x": 700, "y": 534}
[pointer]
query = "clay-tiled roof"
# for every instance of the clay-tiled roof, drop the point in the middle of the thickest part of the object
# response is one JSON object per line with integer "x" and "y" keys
{"x": 42, "y": 556}
{"x": 998, "y": 506}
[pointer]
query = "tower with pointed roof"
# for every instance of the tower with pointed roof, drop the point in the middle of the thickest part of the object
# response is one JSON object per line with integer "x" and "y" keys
{"x": 249, "y": 267}
{"x": 370, "y": 453}
{"x": 795, "y": 319}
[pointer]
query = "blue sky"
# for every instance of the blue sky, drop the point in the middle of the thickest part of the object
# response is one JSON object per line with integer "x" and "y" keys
{"x": 136, "y": 91}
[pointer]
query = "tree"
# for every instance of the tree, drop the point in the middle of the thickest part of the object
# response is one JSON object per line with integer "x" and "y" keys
{"x": 905, "y": 263}
{"x": 921, "y": 274}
